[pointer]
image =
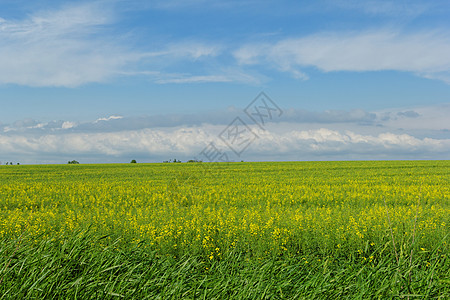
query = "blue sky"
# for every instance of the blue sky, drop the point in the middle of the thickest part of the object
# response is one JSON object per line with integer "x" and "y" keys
{"x": 115, "y": 80}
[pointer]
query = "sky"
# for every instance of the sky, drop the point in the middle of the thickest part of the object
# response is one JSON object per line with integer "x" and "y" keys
{"x": 108, "y": 81}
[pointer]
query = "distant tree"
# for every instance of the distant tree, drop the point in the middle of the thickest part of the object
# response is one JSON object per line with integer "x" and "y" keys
{"x": 73, "y": 162}
{"x": 18, "y": 163}
{"x": 174, "y": 160}
{"x": 194, "y": 161}
{"x": 133, "y": 161}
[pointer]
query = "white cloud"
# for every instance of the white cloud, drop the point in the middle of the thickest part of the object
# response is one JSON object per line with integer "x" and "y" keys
{"x": 404, "y": 133}
{"x": 60, "y": 48}
{"x": 416, "y": 121}
{"x": 227, "y": 75}
{"x": 112, "y": 143}
{"x": 195, "y": 79}
{"x": 188, "y": 49}
{"x": 72, "y": 46}
{"x": 188, "y": 142}
{"x": 108, "y": 118}
{"x": 79, "y": 43}
{"x": 418, "y": 118}
{"x": 424, "y": 53}
{"x": 334, "y": 135}
{"x": 68, "y": 125}
{"x": 193, "y": 49}
{"x": 397, "y": 8}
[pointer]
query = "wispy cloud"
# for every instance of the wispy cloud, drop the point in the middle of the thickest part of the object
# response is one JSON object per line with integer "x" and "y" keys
{"x": 222, "y": 75}
{"x": 193, "y": 50}
{"x": 426, "y": 53}
{"x": 60, "y": 48}
{"x": 206, "y": 4}
{"x": 386, "y": 7}
{"x": 75, "y": 45}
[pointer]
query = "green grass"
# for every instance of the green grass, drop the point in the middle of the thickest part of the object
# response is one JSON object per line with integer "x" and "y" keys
{"x": 76, "y": 268}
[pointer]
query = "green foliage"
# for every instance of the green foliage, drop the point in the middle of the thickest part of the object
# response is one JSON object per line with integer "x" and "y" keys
{"x": 73, "y": 162}
{"x": 133, "y": 161}
{"x": 194, "y": 161}
{"x": 174, "y": 160}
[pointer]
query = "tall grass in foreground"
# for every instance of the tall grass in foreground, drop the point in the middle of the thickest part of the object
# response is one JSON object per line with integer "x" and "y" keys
{"x": 76, "y": 267}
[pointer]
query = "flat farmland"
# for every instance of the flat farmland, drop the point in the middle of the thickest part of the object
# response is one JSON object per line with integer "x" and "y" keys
{"x": 268, "y": 230}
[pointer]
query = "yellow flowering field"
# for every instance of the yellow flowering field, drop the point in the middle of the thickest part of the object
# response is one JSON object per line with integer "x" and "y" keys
{"x": 301, "y": 210}
{"x": 261, "y": 207}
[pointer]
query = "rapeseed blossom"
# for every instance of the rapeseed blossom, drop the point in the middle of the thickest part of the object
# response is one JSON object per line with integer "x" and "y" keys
{"x": 258, "y": 208}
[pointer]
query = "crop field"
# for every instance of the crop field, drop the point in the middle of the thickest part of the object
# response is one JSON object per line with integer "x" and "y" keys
{"x": 280, "y": 230}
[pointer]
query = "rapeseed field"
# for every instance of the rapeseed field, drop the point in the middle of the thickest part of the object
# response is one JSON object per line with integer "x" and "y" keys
{"x": 357, "y": 229}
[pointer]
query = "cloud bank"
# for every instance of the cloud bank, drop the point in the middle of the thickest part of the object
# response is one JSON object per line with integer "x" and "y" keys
{"x": 299, "y": 135}
{"x": 155, "y": 145}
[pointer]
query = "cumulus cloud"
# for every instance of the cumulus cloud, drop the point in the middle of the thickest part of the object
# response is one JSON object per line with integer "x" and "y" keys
{"x": 68, "y": 125}
{"x": 110, "y": 143}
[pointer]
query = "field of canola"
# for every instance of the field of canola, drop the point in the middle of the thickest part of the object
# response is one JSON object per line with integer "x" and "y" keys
{"x": 327, "y": 216}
